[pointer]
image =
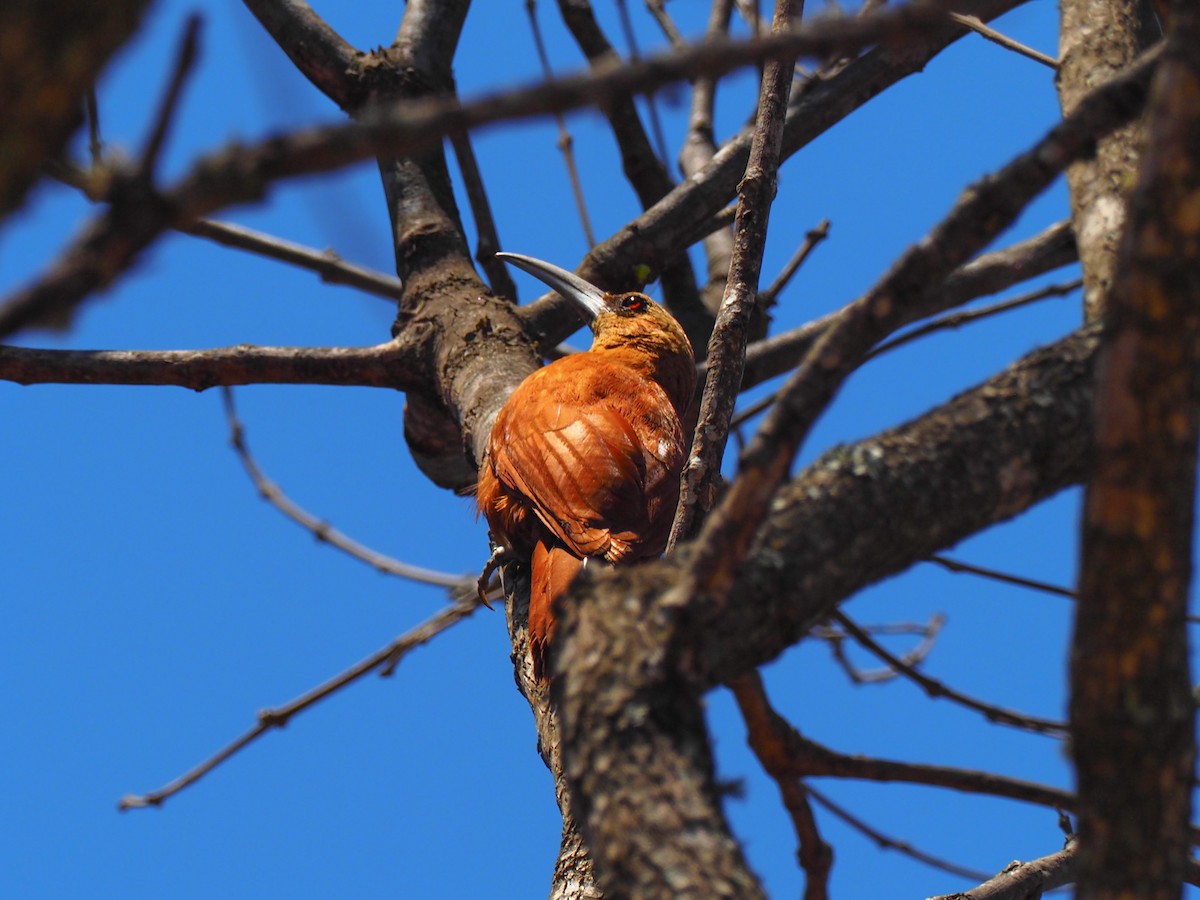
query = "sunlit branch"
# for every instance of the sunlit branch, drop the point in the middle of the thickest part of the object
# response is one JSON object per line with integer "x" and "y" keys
{"x": 1021, "y": 880}
{"x": 389, "y": 365}
{"x": 1004, "y": 41}
{"x": 727, "y": 347}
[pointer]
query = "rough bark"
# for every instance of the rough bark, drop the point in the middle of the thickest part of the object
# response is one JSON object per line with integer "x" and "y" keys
{"x": 1132, "y": 710}
{"x": 1097, "y": 39}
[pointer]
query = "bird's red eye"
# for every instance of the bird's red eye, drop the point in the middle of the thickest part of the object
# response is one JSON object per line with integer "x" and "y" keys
{"x": 633, "y": 303}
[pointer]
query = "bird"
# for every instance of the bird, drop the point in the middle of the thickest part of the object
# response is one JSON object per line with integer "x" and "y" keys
{"x": 584, "y": 458}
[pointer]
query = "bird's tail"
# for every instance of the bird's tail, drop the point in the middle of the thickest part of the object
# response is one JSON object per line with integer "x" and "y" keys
{"x": 551, "y": 571}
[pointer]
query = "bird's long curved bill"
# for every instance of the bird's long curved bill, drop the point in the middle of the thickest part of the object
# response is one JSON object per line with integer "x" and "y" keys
{"x": 584, "y": 294}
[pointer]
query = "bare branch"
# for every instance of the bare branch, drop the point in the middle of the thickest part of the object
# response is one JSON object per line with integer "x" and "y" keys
{"x": 787, "y": 757}
{"x": 1021, "y": 880}
{"x": 1004, "y": 41}
{"x": 869, "y": 510}
{"x": 316, "y": 50}
{"x": 390, "y": 365}
{"x": 986, "y": 274}
{"x": 956, "y": 566}
{"x": 1096, "y": 41}
{"x": 659, "y": 11}
{"x": 816, "y": 856}
{"x": 242, "y": 174}
{"x": 322, "y": 530}
{"x": 727, "y": 347}
{"x": 812, "y": 238}
{"x": 184, "y": 61}
{"x": 651, "y": 106}
{"x": 485, "y": 224}
{"x": 886, "y": 842}
{"x": 326, "y": 263}
{"x": 984, "y": 210}
{"x": 936, "y": 689}
{"x": 1133, "y": 713}
{"x": 912, "y": 658}
{"x": 565, "y": 141}
{"x": 385, "y": 659}
{"x": 959, "y": 319}
{"x": 699, "y": 149}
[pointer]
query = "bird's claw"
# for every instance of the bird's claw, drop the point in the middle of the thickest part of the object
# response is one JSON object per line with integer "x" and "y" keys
{"x": 499, "y": 556}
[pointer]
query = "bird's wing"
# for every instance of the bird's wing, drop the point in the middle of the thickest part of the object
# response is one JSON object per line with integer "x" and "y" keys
{"x": 584, "y": 468}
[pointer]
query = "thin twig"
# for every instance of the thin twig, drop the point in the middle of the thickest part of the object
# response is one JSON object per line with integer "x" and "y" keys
{"x": 951, "y": 321}
{"x": 988, "y": 274}
{"x": 635, "y": 55}
{"x": 812, "y": 238}
{"x": 565, "y": 141}
{"x": 937, "y": 689}
{"x": 185, "y": 59}
{"x": 659, "y": 11}
{"x": 959, "y": 567}
{"x": 769, "y": 744}
{"x": 1023, "y": 880}
{"x": 886, "y": 842}
{"x": 391, "y": 365}
{"x": 328, "y": 264}
{"x": 966, "y": 317}
{"x": 727, "y": 347}
{"x": 385, "y": 659}
{"x": 1008, "y": 43}
{"x": 913, "y": 657}
{"x": 95, "y": 145}
{"x": 487, "y": 237}
{"x": 321, "y": 530}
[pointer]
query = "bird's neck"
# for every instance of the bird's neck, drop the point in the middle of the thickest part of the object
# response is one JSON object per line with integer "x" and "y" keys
{"x": 671, "y": 367}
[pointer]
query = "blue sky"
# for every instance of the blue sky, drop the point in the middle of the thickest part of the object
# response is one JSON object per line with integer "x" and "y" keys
{"x": 154, "y": 603}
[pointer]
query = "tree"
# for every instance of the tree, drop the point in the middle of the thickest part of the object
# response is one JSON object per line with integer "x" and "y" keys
{"x": 770, "y": 558}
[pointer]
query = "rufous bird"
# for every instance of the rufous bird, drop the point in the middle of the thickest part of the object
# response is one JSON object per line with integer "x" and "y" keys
{"x": 584, "y": 458}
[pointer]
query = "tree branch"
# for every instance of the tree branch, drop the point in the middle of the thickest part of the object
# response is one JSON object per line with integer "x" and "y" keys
{"x": 390, "y": 365}
{"x": 727, "y": 348}
{"x": 316, "y": 50}
{"x": 1020, "y": 881}
{"x": 115, "y": 240}
{"x": 984, "y": 275}
{"x": 668, "y": 226}
{"x": 1132, "y": 708}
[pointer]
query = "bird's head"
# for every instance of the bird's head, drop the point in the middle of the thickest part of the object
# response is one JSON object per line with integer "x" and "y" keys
{"x": 616, "y": 320}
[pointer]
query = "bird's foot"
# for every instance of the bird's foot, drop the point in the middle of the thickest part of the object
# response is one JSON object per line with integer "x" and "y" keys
{"x": 500, "y": 555}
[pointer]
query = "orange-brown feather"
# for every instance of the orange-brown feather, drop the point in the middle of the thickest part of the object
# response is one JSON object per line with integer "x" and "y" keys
{"x": 584, "y": 458}
{"x": 552, "y": 569}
